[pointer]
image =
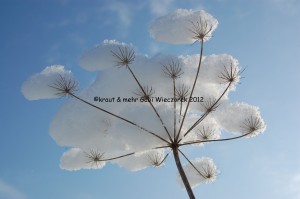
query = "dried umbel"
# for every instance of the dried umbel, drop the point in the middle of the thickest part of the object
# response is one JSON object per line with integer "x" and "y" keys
{"x": 64, "y": 86}
{"x": 252, "y": 126}
{"x": 145, "y": 135}
{"x": 200, "y": 29}
{"x": 172, "y": 69}
{"x": 124, "y": 56}
{"x": 94, "y": 157}
{"x": 145, "y": 93}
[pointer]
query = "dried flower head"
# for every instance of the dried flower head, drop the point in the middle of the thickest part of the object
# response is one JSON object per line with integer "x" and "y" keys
{"x": 182, "y": 92}
{"x": 95, "y": 157}
{"x": 210, "y": 105}
{"x": 64, "y": 86}
{"x": 200, "y": 29}
{"x": 172, "y": 69}
{"x": 156, "y": 159}
{"x": 145, "y": 93}
{"x": 253, "y": 126}
{"x": 209, "y": 172}
{"x": 206, "y": 133}
{"x": 125, "y": 56}
{"x": 231, "y": 74}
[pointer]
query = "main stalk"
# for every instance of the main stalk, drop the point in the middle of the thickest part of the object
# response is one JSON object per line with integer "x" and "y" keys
{"x": 182, "y": 173}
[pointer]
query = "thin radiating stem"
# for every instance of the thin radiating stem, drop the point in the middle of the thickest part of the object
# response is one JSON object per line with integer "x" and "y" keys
{"x": 214, "y": 140}
{"x": 191, "y": 94}
{"x": 121, "y": 118}
{"x": 191, "y": 163}
{"x": 174, "y": 95}
{"x": 209, "y": 109}
{"x": 157, "y": 114}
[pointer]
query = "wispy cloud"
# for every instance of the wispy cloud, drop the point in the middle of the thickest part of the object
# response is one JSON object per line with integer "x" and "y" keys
{"x": 122, "y": 10}
{"x": 160, "y": 7}
{"x": 9, "y": 192}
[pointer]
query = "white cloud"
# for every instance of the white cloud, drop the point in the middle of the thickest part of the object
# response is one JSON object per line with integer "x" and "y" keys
{"x": 9, "y": 192}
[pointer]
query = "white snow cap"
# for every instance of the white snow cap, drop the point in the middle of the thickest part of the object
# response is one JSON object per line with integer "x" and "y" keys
{"x": 76, "y": 159}
{"x": 206, "y": 172}
{"x": 101, "y": 57}
{"x": 183, "y": 26}
{"x": 240, "y": 118}
{"x": 38, "y": 86}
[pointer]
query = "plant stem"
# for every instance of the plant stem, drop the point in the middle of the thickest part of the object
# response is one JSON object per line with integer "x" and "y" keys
{"x": 191, "y": 94}
{"x": 182, "y": 173}
{"x": 174, "y": 90}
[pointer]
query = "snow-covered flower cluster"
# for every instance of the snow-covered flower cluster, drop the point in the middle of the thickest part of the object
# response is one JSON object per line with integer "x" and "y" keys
{"x": 128, "y": 116}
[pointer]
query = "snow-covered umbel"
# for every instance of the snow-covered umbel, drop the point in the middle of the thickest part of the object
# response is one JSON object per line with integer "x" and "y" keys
{"x": 111, "y": 121}
{"x": 75, "y": 159}
{"x": 183, "y": 27}
{"x": 241, "y": 118}
{"x": 202, "y": 170}
{"x": 83, "y": 127}
{"x": 38, "y": 86}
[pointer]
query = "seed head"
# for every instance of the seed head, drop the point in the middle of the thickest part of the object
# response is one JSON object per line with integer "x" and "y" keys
{"x": 172, "y": 69}
{"x": 210, "y": 105}
{"x": 230, "y": 75}
{"x": 156, "y": 159}
{"x": 206, "y": 133}
{"x": 124, "y": 55}
{"x": 64, "y": 86}
{"x": 95, "y": 157}
{"x": 145, "y": 93}
{"x": 182, "y": 92}
{"x": 253, "y": 126}
{"x": 208, "y": 172}
{"x": 200, "y": 29}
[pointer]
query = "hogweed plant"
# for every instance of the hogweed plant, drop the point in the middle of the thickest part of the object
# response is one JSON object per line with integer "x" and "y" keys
{"x": 135, "y": 116}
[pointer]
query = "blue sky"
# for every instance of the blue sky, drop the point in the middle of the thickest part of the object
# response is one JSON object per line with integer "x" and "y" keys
{"x": 262, "y": 35}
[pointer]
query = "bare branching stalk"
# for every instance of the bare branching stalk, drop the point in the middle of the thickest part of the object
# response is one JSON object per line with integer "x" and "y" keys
{"x": 125, "y": 57}
{"x": 173, "y": 71}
